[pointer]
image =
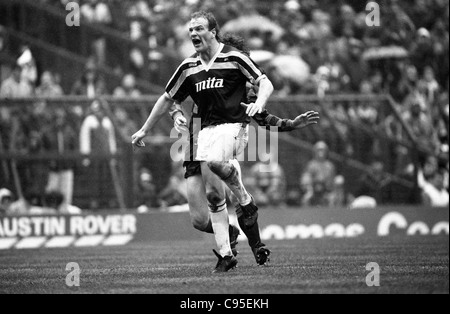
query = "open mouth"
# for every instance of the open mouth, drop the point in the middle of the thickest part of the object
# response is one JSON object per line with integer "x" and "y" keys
{"x": 196, "y": 41}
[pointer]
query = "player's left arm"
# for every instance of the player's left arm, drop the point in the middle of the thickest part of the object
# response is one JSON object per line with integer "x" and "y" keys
{"x": 257, "y": 77}
{"x": 264, "y": 92}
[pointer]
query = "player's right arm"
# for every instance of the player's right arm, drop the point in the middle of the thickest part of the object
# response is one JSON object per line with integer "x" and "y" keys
{"x": 161, "y": 107}
{"x": 176, "y": 90}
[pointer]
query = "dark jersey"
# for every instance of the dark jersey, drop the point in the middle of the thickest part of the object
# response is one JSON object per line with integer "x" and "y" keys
{"x": 217, "y": 88}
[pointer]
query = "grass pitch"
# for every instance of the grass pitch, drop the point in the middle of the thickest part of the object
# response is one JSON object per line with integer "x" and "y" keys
{"x": 407, "y": 265}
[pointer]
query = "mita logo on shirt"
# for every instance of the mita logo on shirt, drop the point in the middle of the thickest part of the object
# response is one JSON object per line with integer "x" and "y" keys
{"x": 209, "y": 84}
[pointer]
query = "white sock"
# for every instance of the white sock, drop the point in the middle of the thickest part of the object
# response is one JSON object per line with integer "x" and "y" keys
{"x": 236, "y": 164}
{"x": 220, "y": 226}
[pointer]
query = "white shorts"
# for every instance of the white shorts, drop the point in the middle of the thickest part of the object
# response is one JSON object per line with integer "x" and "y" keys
{"x": 222, "y": 142}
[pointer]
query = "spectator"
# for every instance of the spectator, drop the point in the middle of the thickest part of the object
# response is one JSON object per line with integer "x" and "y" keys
{"x": 420, "y": 124}
{"x": 97, "y": 133}
{"x": 127, "y": 88}
{"x": 91, "y": 83}
{"x": 319, "y": 28}
{"x": 95, "y": 11}
{"x": 429, "y": 86}
{"x": 268, "y": 183}
{"x": 97, "y": 137}
{"x": 306, "y": 190}
{"x": 124, "y": 124}
{"x": 29, "y": 204}
{"x": 320, "y": 170}
{"x": 5, "y": 58}
{"x": 338, "y": 79}
{"x": 54, "y": 202}
{"x": 365, "y": 114}
{"x": 139, "y": 9}
{"x": 319, "y": 196}
{"x": 374, "y": 184}
{"x": 61, "y": 138}
{"x": 430, "y": 167}
{"x": 48, "y": 87}
{"x": 354, "y": 66}
{"x": 98, "y": 12}
{"x": 376, "y": 80}
{"x": 14, "y": 86}
{"x": 433, "y": 191}
{"x": 322, "y": 77}
{"x": 6, "y": 199}
{"x": 29, "y": 70}
{"x": 345, "y": 19}
{"x": 445, "y": 170}
{"x": 339, "y": 198}
{"x": 408, "y": 83}
{"x": 147, "y": 195}
{"x": 440, "y": 37}
{"x": 422, "y": 53}
{"x": 6, "y": 126}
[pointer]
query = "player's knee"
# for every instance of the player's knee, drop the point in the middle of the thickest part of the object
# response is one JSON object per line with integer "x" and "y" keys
{"x": 199, "y": 223}
{"x": 221, "y": 168}
{"x": 214, "y": 198}
{"x": 215, "y": 166}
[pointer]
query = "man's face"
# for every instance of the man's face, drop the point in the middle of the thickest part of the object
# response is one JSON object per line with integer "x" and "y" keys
{"x": 16, "y": 74}
{"x": 321, "y": 153}
{"x": 200, "y": 34}
{"x": 46, "y": 79}
{"x": 377, "y": 170}
{"x": 416, "y": 110}
{"x": 5, "y": 203}
{"x": 438, "y": 181}
{"x": 97, "y": 109}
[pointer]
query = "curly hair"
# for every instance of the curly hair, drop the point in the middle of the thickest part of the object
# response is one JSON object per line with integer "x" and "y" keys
{"x": 235, "y": 41}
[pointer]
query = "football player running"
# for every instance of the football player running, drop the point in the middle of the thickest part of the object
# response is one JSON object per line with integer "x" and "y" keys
{"x": 215, "y": 78}
{"x": 196, "y": 192}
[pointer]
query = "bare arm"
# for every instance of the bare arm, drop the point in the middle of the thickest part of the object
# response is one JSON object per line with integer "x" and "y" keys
{"x": 264, "y": 92}
{"x": 161, "y": 107}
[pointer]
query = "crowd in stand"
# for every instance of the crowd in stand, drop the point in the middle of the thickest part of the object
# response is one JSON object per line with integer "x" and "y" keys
{"x": 330, "y": 37}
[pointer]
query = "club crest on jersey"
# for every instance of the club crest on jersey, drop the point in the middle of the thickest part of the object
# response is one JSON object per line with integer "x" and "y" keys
{"x": 210, "y": 83}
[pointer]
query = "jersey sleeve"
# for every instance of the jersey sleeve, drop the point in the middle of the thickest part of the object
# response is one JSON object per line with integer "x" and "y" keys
{"x": 249, "y": 68}
{"x": 177, "y": 88}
